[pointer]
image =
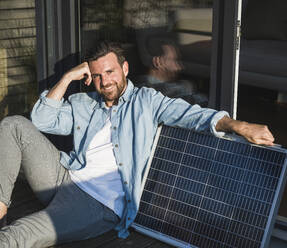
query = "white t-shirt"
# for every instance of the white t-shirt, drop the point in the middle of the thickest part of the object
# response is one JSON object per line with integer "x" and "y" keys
{"x": 100, "y": 177}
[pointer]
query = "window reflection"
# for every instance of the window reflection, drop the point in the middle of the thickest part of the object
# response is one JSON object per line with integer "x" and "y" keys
{"x": 162, "y": 39}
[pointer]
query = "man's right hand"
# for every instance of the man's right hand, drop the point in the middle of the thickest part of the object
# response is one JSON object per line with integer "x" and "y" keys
{"x": 77, "y": 73}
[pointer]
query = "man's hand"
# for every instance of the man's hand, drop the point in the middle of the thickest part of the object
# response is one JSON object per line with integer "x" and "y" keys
{"x": 77, "y": 73}
{"x": 255, "y": 133}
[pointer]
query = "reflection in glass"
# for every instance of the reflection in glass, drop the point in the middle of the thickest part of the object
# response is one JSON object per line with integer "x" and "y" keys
{"x": 162, "y": 38}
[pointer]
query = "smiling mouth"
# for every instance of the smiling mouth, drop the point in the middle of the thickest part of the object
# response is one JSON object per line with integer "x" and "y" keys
{"x": 108, "y": 88}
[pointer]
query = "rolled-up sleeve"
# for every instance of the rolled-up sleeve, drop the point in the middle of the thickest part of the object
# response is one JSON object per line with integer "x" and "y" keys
{"x": 52, "y": 116}
{"x": 177, "y": 112}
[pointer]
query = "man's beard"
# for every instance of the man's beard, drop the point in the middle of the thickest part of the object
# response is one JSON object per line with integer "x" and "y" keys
{"x": 117, "y": 92}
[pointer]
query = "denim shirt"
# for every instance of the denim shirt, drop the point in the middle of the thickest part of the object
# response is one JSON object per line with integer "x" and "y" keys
{"x": 134, "y": 123}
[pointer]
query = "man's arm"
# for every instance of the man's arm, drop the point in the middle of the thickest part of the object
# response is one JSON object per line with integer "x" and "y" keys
{"x": 51, "y": 114}
{"x": 255, "y": 133}
{"x": 77, "y": 73}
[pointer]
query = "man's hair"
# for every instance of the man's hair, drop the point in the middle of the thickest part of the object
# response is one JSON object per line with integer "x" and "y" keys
{"x": 103, "y": 48}
{"x": 155, "y": 45}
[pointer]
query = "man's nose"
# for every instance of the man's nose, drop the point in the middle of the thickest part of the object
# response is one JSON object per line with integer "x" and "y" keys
{"x": 104, "y": 80}
{"x": 179, "y": 66}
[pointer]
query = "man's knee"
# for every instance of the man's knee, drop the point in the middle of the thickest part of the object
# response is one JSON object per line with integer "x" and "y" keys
{"x": 14, "y": 121}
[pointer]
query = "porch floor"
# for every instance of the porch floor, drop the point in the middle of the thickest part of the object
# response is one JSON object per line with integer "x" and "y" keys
{"x": 24, "y": 202}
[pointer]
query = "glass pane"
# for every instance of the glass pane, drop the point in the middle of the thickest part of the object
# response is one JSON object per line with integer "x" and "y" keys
{"x": 168, "y": 42}
{"x": 18, "y": 85}
{"x": 262, "y": 96}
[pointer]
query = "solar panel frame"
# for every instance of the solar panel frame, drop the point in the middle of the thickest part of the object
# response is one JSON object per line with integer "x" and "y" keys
{"x": 272, "y": 213}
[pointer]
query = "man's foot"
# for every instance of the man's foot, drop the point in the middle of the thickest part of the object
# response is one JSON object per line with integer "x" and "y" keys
{"x": 3, "y": 221}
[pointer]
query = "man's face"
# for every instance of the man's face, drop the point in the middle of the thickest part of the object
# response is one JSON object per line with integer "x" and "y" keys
{"x": 109, "y": 77}
{"x": 170, "y": 62}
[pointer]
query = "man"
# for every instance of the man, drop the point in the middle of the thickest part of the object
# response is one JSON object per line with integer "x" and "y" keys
{"x": 97, "y": 187}
{"x": 163, "y": 72}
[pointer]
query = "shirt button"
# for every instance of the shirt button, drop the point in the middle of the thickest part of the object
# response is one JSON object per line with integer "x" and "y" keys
{"x": 116, "y": 145}
{"x": 120, "y": 164}
{"x": 115, "y": 128}
{"x": 125, "y": 182}
{"x": 78, "y": 127}
{"x": 129, "y": 201}
{"x": 114, "y": 110}
{"x": 129, "y": 218}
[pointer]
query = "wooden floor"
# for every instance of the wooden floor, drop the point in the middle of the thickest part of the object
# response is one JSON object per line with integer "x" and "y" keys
{"x": 24, "y": 202}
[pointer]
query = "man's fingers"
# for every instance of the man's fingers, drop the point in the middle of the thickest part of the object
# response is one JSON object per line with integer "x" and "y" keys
{"x": 263, "y": 141}
{"x": 88, "y": 80}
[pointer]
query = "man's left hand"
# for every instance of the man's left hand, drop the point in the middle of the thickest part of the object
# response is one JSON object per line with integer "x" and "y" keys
{"x": 255, "y": 133}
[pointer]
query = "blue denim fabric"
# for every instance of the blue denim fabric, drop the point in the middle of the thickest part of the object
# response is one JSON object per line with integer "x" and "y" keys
{"x": 134, "y": 123}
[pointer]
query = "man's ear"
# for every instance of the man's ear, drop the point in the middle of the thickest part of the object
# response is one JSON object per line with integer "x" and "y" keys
{"x": 126, "y": 68}
{"x": 156, "y": 62}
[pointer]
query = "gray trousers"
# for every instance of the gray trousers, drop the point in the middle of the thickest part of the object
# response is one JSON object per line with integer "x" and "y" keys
{"x": 70, "y": 213}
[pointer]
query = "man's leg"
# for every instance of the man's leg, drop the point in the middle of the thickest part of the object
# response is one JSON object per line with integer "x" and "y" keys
{"x": 72, "y": 215}
{"x": 22, "y": 143}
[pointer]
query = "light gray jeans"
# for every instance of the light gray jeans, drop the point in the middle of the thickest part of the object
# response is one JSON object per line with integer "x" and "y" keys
{"x": 70, "y": 213}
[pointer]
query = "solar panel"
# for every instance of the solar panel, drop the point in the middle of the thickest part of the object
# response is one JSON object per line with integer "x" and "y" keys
{"x": 204, "y": 191}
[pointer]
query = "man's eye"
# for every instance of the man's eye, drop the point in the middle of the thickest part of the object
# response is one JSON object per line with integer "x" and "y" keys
{"x": 109, "y": 72}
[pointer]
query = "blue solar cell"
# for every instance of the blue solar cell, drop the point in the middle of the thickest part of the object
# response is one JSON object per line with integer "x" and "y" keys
{"x": 250, "y": 232}
{"x": 216, "y": 207}
{"x": 235, "y": 240}
{"x": 190, "y": 186}
{"x": 193, "y": 174}
{"x": 220, "y": 195}
{"x": 267, "y": 155}
{"x": 257, "y": 193}
{"x": 164, "y": 165}
{"x": 158, "y": 188}
{"x": 176, "y": 145}
{"x": 180, "y": 221}
{"x": 246, "y": 217}
{"x": 215, "y": 233}
{"x": 186, "y": 197}
{"x": 196, "y": 162}
{"x": 151, "y": 210}
{"x": 227, "y": 170}
{"x": 253, "y": 205}
{"x": 155, "y": 199}
{"x": 182, "y": 208}
{"x": 162, "y": 177}
{"x": 200, "y": 151}
{"x": 175, "y": 133}
{"x": 176, "y": 231}
{"x": 234, "y": 147}
{"x": 148, "y": 221}
{"x": 213, "y": 220}
{"x": 231, "y": 159}
{"x": 263, "y": 167}
{"x": 207, "y": 140}
{"x": 224, "y": 183}
{"x": 260, "y": 180}
{"x": 172, "y": 156}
